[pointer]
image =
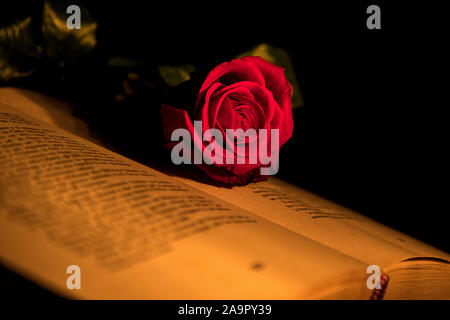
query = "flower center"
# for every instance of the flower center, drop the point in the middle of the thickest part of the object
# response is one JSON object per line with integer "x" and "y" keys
{"x": 242, "y": 118}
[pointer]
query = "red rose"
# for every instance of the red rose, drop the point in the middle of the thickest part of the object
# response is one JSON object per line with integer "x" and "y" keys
{"x": 246, "y": 93}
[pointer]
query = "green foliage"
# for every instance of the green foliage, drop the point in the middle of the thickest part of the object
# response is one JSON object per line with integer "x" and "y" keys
{"x": 18, "y": 51}
{"x": 175, "y": 75}
{"x": 63, "y": 43}
{"x": 21, "y": 54}
{"x": 121, "y": 62}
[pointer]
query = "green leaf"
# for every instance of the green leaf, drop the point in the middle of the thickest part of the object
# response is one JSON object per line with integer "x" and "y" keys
{"x": 280, "y": 58}
{"x": 175, "y": 75}
{"x": 121, "y": 62}
{"x": 63, "y": 43}
{"x": 18, "y": 51}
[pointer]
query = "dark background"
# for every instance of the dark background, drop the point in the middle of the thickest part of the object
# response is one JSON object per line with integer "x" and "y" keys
{"x": 368, "y": 135}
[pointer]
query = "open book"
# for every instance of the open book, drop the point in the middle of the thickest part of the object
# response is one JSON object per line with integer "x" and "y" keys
{"x": 137, "y": 232}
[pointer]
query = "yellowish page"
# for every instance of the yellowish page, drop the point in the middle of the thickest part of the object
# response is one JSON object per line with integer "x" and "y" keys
{"x": 46, "y": 109}
{"x": 321, "y": 220}
{"x": 276, "y": 200}
{"x": 137, "y": 233}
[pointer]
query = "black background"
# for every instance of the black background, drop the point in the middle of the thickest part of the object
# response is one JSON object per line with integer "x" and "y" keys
{"x": 368, "y": 135}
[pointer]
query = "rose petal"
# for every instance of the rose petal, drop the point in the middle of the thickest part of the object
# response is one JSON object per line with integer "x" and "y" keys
{"x": 233, "y": 71}
{"x": 261, "y": 95}
{"x": 277, "y": 83}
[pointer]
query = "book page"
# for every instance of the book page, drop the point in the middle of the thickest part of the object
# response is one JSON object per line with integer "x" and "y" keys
{"x": 420, "y": 278}
{"x": 47, "y": 109}
{"x": 321, "y": 220}
{"x": 137, "y": 233}
{"x": 276, "y": 200}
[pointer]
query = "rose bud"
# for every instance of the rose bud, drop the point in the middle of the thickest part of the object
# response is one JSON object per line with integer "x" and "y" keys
{"x": 250, "y": 94}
